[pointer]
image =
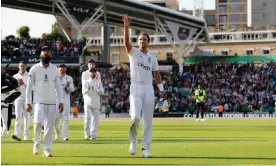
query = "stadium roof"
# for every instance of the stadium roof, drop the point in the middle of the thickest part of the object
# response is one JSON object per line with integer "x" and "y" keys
{"x": 143, "y": 15}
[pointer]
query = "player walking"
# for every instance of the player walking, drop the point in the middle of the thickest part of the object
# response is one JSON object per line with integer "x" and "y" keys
{"x": 142, "y": 64}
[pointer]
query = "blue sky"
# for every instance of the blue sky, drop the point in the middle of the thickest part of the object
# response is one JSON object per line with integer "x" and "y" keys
{"x": 38, "y": 23}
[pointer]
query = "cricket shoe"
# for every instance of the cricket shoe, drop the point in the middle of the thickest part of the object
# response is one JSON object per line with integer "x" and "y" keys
{"x": 36, "y": 149}
{"x": 132, "y": 148}
{"x": 16, "y": 138}
{"x": 25, "y": 138}
{"x": 57, "y": 137}
{"x": 145, "y": 154}
{"x": 47, "y": 153}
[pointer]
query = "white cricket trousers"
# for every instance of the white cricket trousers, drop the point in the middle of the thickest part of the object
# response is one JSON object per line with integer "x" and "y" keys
{"x": 44, "y": 115}
{"x": 64, "y": 116}
{"x": 4, "y": 117}
{"x": 91, "y": 121}
{"x": 141, "y": 100}
{"x": 20, "y": 108}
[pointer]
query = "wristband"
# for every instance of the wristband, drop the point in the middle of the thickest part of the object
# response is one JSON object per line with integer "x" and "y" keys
{"x": 160, "y": 87}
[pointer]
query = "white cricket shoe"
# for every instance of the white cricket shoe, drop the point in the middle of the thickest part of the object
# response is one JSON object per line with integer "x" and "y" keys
{"x": 145, "y": 154}
{"x": 202, "y": 120}
{"x": 36, "y": 149}
{"x": 25, "y": 138}
{"x": 4, "y": 133}
{"x": 197, "y": 120}
{"x": 132, "y": 148}
{"x": 47, "y": 153}
{"x": 86, "y": 137}
{"x": 57, "y": 137}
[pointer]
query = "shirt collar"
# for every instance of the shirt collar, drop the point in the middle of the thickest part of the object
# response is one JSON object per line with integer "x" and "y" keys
{"x": 92, "y": 79}
{"x": 41, "y": 65}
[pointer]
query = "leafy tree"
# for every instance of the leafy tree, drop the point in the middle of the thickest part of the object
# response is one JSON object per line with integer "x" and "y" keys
{"x": 54, "y": 35}
{"x": 23, "y": 32}
{"x": 55, "y": 28}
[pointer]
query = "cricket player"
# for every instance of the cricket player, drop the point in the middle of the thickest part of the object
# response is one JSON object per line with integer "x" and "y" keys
{"x": 86, "y": 75}
{"x": 142, "y": 64}
{"x": 92, "y": 89}
{"x": 67, "y": 89}
{"x": 19, "y": 104}
{"x": 45, "y": 82}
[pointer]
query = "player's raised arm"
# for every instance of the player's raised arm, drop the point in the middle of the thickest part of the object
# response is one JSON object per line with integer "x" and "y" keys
{"x": 127, "y": 43}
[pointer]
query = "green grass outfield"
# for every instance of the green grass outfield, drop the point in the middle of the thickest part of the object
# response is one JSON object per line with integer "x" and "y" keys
{"x": 175, "y": 141}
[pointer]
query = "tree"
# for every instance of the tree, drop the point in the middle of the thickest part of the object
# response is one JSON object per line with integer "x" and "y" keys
{"x": 54, "y": 35}
{"x": 23, "y": 32}
{"x": 55, "y": 28}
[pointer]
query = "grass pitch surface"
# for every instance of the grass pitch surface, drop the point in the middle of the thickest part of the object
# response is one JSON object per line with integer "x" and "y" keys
{"x": 175, "y": 141}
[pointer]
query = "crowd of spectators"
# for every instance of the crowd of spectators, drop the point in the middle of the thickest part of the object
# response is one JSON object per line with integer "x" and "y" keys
{"x": 232, "y": 85}
{"x": 32, "y": 47}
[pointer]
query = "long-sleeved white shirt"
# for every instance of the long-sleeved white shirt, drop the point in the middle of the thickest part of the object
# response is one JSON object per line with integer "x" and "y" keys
{"x": 45, "y": 83}
{"x": 92, "y": 94}
{"x": 21, "y": 88}
{"x": 66, "y": 91}
{"x": 85, "y": 76}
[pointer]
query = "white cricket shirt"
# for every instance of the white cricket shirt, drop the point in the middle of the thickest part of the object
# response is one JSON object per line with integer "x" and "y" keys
{"x": 141, "y": 66}
{"x": 66, "y": 91}
{"x": 45, "y": 83}
{"x": 92, "y": 96}
{"x": 21, "y": 88}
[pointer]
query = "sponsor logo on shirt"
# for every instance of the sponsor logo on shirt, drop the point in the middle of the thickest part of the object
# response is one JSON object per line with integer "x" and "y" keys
{"x": 143, "y": 66}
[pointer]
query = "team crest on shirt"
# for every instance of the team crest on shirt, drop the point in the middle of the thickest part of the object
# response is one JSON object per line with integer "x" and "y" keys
{"x": 45, "y": 78}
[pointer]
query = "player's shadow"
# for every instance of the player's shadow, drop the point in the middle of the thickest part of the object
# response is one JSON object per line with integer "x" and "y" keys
{"x": 126, "y": 141}
{"x": 155, "y": 140}
{"x": 182, "y": 157}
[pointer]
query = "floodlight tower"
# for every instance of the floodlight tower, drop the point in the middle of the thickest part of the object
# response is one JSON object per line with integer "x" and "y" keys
{"x": 198, "y": 9}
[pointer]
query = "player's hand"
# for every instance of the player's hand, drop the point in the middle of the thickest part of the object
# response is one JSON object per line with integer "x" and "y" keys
{"x": 98, "y": 86}
{"x": 28, "y": 107}
{"x": 60, "y": 107}
{"x": 68, "y": 84}
{"x": 126, "y": 20}
{"x": 88, "y": 86}
{"x": 20, "y": 82}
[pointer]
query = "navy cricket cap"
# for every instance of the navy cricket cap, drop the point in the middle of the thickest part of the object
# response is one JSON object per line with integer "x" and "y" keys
{"x": 92, "y": 69}
{"x": 91, "y": 61}
{"x": 44, "y": 48}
